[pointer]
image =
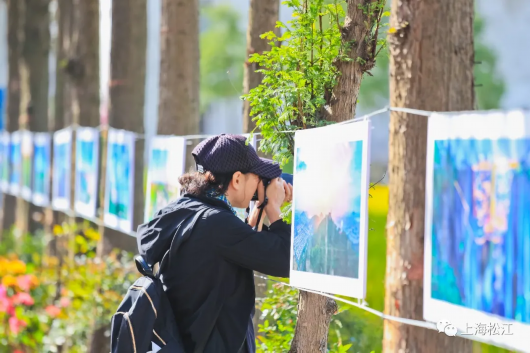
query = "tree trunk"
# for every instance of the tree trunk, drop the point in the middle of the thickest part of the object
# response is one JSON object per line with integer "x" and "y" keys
{"x": 178, "y": 106}
{"x": 431, "y": 68}
{"x": 36, "y": 50}
{"x": 127, "y": 96}
{"x": 315, "y": 311}
{"x": 14, "y": 40}
{"x": 179, "y": 68}
{"x": 262, "y": 18}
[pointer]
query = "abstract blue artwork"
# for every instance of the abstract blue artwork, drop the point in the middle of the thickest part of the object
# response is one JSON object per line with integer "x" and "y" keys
{"x": 86, "y": 171}
{"x": 119, "y": 192}
{"x": 62, "y": 152}
{"x": 478, "y": 256}
{"x": 41, "y": 169}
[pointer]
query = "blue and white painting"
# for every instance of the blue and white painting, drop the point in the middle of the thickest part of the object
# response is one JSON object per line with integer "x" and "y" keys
{"x": 86, "y": 172}
{"x": 41, "y": 169}
{"x": 4, "y": 161}
{"x": 26, "y": 150}
{"x": 329, "y": 223}
{"x": 15, "y": 159}
{"x": 478, "y": 253}
{"x": 62, "y": 154}
{"x": 119, "y": 193}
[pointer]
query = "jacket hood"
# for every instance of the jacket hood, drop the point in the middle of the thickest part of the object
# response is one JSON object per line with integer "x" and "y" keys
{"x": 154, "y": 237}
{"x": 170, "y": 227}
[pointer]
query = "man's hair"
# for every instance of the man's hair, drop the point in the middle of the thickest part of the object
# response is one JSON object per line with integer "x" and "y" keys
{"x": 199, "y": 184}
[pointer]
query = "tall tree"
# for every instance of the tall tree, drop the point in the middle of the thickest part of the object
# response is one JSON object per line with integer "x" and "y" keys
{"x": 126, "y": 111}
{"x": 127, "y": 96}
{"x": 15, "y": 37}
{"x": 179, "y": 68}
{"x": 360, "y": 37}
{"x": 262, "y": 18}
{"x": 431, "y": 65}
{"x": 36, "y": 50}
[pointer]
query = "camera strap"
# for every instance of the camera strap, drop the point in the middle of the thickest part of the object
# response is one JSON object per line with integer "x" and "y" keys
{"x": 261, "y": 207}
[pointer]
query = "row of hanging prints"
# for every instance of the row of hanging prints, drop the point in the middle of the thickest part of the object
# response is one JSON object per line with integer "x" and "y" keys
{"x": 477, "y": 230}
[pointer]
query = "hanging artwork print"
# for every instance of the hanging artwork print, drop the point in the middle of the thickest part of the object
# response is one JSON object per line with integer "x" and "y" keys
{"x": 62, "y": 154}
{"x": 26, "y": 148}
{"x": 86, "y": 171}
{"x": 329, "y": 225}
{"x": 15, "y": 160}
{"x": 4, "y": 161}
{"x": 119, "y": 192}
{"x": 167, "y": 159}
{"x": 477, "y": 231}
{"x": 41, "y": 169}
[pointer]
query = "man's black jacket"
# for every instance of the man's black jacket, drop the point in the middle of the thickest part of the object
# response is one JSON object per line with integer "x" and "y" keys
{"x": 209, "y": 279}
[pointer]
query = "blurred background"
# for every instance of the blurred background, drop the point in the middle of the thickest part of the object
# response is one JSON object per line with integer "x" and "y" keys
{"x": 502, "y": 81}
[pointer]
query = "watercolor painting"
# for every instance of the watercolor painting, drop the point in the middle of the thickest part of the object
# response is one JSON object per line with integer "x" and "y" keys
{"x": 4, "y": 161}
{"x": 26, "y": 149}
{"x": 62, "y": 150}
{"x": 41, "y": 169}
{"x": 478, "y": 254}
{"x": 329, "y": 223}
{"x": 481, "y": 225}
{"x": 86, "y": 172}
{"x": 15, "y": 160}
{"x": 119, "y": 193}
{"x": 167, "y": 158}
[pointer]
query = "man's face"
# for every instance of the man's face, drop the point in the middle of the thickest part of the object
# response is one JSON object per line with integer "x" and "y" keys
{"x": 242, "y": 188}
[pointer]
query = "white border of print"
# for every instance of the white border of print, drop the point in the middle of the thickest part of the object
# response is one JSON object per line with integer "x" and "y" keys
{"x": 353, "y": 287}
{"x": 88, "y": 134}
{"x": 42, "y": 199}
{"x": 121, "y": 137}
{"x": 59, "y": 138}
{"x": 26, "y": 141}
{"x": 176, "y": 147}
{"x": 492, "y": 125}
{"x": 5, "y": 141}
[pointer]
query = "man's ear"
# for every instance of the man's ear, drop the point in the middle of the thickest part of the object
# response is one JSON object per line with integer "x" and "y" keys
{"x": 236, "y": 180}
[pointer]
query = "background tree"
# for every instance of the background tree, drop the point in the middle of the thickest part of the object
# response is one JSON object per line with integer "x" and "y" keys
{"x": 179, "y": 104}
{"x": 127, "y": 96}
{"x": 36, "y": 50}
{"x": 178, "y": 111}
{"x": 15, "y": 37}
{"x": 431, "y": 66}
{"x": 262, "y": 18}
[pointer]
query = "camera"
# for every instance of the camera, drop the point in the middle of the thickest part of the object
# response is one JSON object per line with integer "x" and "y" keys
{"x": 287, "y": 177}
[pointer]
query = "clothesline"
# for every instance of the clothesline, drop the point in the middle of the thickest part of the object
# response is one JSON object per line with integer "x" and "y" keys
{"x": 363, "y": 306}
{"x": 426, "y": 113}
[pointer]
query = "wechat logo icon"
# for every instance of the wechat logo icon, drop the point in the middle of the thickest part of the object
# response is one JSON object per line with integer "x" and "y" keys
{"x": 446, "y": 327}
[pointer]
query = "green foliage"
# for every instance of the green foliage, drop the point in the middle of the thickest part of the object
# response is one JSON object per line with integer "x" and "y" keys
{"x": 297, "y": 75}
{"x": 222, "y": 47}
{"x": 300, "y": 71}
{"x": 490, "y": 86}
{"x": 279, "y": 309}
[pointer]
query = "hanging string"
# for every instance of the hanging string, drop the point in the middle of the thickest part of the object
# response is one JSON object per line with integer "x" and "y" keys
{"x": 363, "y": 306}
